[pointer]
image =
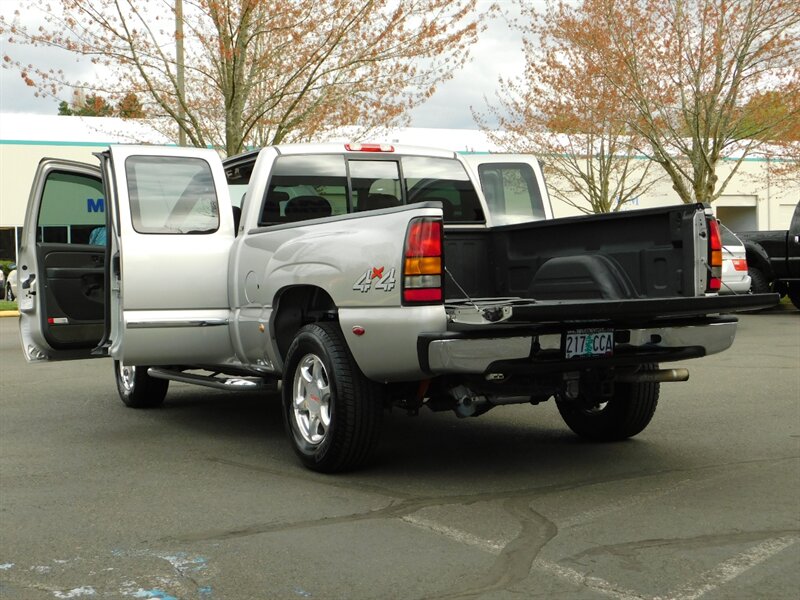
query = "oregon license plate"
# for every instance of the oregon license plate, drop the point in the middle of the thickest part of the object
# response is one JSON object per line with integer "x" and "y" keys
{"x": 588, "y": 343}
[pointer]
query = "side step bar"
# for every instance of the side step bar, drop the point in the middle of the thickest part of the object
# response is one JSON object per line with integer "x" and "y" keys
{"x": 218, "y": 382}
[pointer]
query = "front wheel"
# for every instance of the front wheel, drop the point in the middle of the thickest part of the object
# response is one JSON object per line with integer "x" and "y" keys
{"x": 332, "y": 412}
{"x": 137, "y": 389}
{"x": 626, "y": 413}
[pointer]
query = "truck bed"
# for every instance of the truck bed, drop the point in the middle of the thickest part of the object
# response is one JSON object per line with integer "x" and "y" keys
{"x": 636, "y": 254}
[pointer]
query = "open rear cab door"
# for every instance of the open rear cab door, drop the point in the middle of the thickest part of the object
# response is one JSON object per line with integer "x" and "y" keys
{"x": 135, "y": 269}
{"x": 62, "y": 263}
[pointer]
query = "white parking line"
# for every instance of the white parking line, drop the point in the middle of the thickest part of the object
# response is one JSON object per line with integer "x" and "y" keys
{"x": 496, "y": 546}
{"x": 579, "y": 579}
{"x": 730, "y": 569}
{"x": 493, "y": 547}
{"x": 707, "y": 582}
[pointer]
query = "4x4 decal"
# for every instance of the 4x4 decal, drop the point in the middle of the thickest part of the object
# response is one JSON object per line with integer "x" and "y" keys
{"x": 384, "y": 283}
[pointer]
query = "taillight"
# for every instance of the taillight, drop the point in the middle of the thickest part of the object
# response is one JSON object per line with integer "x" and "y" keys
{"x": 714, "y": 256}
{"x": 423, "y": 267}
{"x": 739, "y": 264}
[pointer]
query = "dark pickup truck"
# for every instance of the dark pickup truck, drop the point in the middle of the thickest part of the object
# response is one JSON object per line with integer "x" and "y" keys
{"x": 773, "y": 259}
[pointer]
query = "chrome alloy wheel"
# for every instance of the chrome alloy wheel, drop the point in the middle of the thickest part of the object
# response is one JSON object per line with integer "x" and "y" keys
{"x": 126, "y": 376}
{"x": 312, "y": 399}
{"x": 595, "y": 409}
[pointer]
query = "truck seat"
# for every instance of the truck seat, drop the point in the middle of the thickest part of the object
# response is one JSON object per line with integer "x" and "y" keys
{"x": 271, "y": 213}
{"x": 303, "y": 208}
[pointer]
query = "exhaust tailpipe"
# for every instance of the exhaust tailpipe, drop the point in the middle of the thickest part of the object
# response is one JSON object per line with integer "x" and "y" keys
{"x": 660, "y": 376}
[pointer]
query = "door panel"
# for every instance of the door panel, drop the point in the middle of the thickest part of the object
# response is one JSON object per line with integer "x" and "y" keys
{"x": 170, "y": 286}
{"x": 61, "y": 271}
{"x": 74, "y": 293}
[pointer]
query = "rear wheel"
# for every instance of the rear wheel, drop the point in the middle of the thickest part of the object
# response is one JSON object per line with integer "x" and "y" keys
{"x": 624, "y": 415}
{"x": 759, "y": 284}
{"x": 793, "y": 292}
{"x": 332, "y": 412}
{"x": 137, "y": 389}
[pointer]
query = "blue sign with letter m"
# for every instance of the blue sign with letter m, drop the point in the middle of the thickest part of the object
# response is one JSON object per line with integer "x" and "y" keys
{"x": 95, "y": 206}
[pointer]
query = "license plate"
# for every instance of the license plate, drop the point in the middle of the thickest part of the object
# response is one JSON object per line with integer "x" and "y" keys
{"x": 588, "y": 343}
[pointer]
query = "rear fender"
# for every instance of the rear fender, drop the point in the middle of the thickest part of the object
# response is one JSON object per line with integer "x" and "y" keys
{"x": 757, "y": 258}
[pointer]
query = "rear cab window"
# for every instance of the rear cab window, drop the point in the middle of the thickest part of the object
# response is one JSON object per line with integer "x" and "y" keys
{"x": 443, "y": 180}
{"x": 308, "y": 186}
{"x": 512, "y": 192}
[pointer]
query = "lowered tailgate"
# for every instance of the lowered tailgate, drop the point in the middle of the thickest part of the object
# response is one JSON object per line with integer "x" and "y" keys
{"x": 500, "y": 337}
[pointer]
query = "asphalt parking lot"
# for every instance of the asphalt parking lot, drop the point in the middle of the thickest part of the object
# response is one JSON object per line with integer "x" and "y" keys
{"x": 204, "y": 499}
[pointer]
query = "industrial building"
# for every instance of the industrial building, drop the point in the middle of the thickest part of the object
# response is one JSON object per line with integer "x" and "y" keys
{"x": 755, "y": 199}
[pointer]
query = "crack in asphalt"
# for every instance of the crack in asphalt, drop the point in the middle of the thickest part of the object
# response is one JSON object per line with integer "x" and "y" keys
{"x": 402, "y": 504}
{"x": 631, "y": 549}
{"x": 516, "y": 558}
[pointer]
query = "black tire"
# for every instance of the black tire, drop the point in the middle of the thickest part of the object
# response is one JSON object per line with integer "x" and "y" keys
{"x": 624, "y": 415}
{"x": 332, "y": 412}
{"x": 793, "y": 292}
{"x": 137, "y": 389}
{"x": 759, "y": 284}
{"x": 9, "y": 293}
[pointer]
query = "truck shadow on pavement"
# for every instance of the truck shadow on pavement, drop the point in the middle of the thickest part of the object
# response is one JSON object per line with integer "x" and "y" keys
{"x": 510, "y": 441}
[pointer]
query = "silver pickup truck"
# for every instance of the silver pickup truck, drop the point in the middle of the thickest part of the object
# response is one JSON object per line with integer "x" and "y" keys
{"x": 357, "y": 277}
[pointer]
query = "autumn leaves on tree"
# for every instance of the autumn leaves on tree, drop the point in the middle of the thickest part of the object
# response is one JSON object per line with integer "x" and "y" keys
{"x": 261, "y": 71}
{"x": 685, "y": 83}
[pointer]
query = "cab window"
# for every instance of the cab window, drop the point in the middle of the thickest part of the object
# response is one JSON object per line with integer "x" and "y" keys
{"x": 172, "y": 195}
{"x": 375, "y": 184}
{"x": 512, "y": 192}
{"x": 443, "y": 180}
{"x": 305, "y": 187}
{"x": 72, "y": 208}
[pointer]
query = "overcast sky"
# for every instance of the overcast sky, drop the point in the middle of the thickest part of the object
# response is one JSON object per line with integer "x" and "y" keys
{"x": 498, "y": 52}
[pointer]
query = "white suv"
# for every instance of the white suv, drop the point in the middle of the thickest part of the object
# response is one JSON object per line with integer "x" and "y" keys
{"x": 10, "y": 286}
{"x": 735, "y": 278}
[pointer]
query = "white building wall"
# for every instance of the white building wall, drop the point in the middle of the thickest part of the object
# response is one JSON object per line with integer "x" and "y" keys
{"x": 755, "y": 199}
{"x": 25, "y": 139}
{"x": 17, "y": 167}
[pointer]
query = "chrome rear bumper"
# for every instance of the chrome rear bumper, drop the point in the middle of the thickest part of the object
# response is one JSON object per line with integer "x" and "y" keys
{"x": 533, "y": 352}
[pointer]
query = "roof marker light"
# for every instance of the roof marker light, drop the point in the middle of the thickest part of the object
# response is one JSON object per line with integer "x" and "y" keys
{"x": 357, "y": 147}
